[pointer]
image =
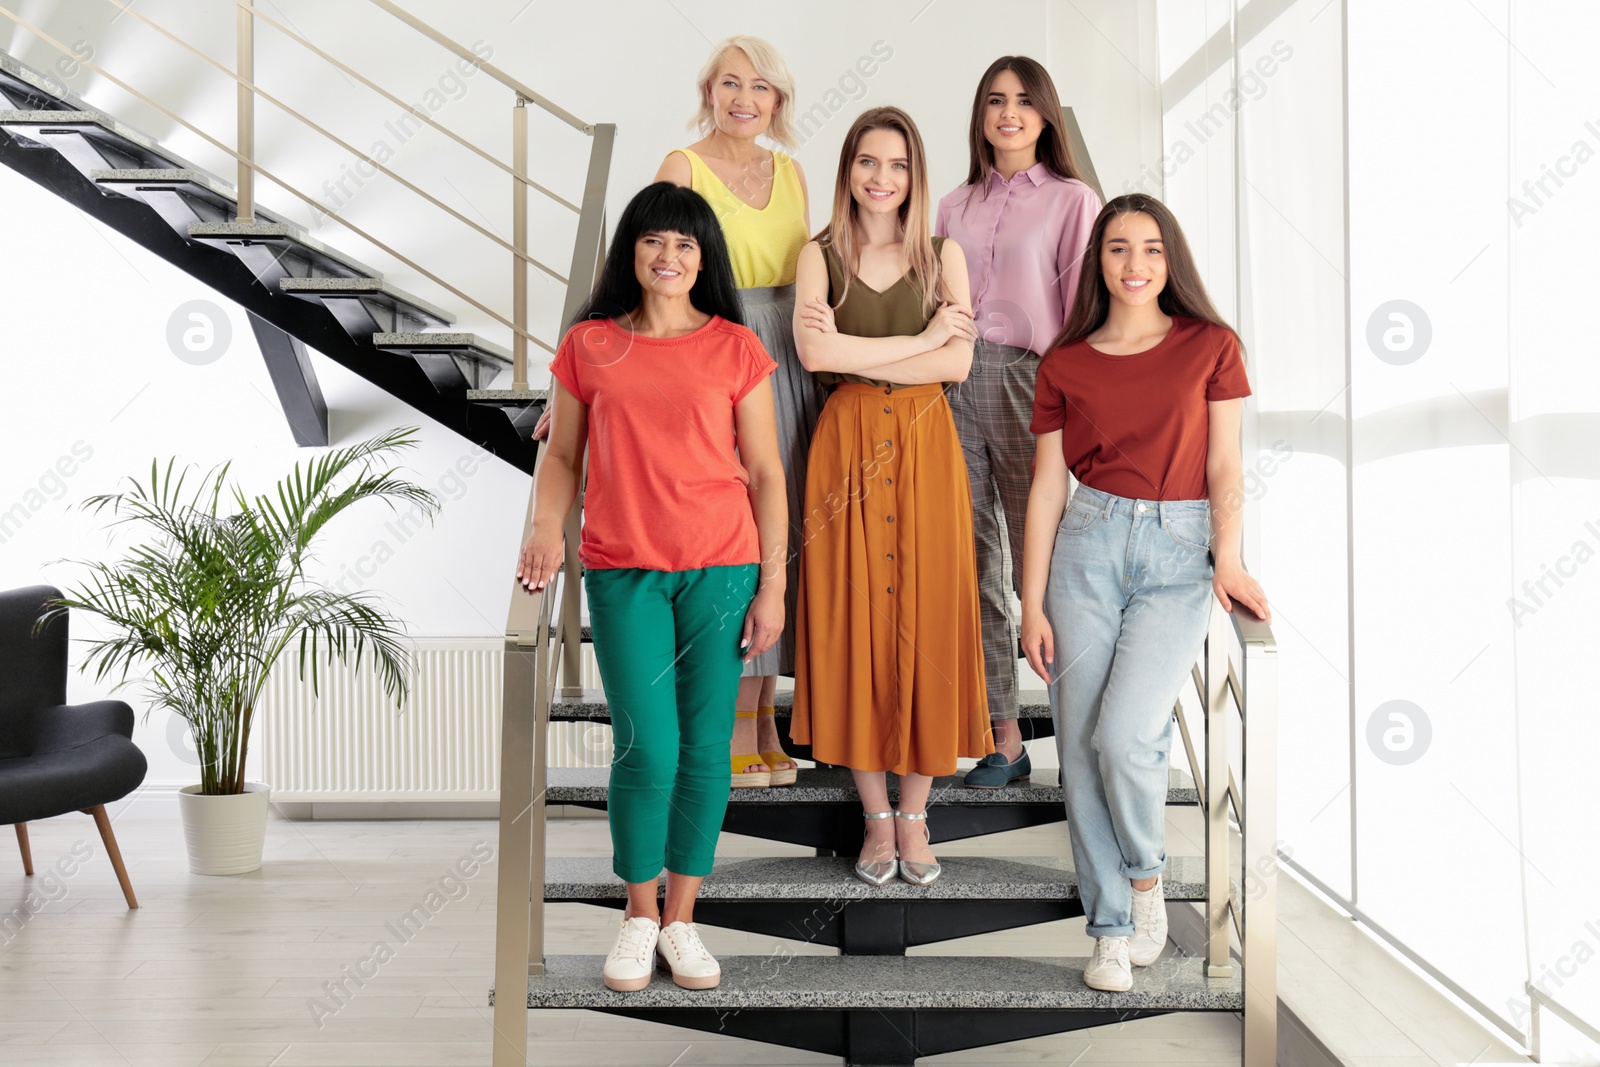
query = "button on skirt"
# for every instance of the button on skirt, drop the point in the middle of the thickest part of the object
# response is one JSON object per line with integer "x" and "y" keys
{"x": 889, "y": 648}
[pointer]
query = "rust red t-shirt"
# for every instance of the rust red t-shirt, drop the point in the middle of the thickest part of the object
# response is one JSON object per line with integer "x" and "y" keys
{"x": 1138, "y": 426}
{"x": 666, "y": 489}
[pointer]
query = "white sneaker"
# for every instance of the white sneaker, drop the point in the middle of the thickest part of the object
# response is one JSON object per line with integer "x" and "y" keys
{"x": 692, "y": 966}
{"x": 1149, "y": 925}
{"x": 1108, "y": 967}
{"x": 629, "y": 965}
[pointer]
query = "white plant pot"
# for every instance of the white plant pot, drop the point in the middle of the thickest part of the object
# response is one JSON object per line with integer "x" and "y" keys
{"x": 224, "y": 833}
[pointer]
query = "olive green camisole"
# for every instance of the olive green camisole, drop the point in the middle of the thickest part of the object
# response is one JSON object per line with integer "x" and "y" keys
{"x": 897, "y": 311}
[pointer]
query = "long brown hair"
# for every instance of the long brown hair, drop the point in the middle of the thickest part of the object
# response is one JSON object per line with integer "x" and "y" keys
{"x": 1053, "y": 148}
{"x": 915, "y": 233}
{"x": 1183, "y": 294}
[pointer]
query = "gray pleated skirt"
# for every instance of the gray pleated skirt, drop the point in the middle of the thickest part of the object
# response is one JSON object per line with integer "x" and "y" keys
{"x": 798, "y": 399}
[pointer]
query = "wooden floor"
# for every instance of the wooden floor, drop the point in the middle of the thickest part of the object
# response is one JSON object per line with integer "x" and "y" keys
{"x": 306, "y": 963}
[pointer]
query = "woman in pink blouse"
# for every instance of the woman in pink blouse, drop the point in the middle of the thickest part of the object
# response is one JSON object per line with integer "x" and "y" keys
{"x": 1022, "y": 218}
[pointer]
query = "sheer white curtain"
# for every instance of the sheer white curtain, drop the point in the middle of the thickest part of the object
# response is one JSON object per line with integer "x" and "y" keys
{"x": 1413, "y": 288}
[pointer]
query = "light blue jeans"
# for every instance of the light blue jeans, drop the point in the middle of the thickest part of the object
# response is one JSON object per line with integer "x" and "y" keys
{"x": 1129, "y": 601}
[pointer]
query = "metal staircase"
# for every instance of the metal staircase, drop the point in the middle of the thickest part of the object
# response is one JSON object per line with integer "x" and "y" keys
{"x": 873, "y": 1003}
{"x": 298, "y": 291}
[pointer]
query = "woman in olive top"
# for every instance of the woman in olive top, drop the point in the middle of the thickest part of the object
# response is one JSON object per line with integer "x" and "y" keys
{"x": 663, "y": 384}
{"x": 759, "y": 195}
{"x": 1022, "y": 218}
{"x": 889, "y": 664}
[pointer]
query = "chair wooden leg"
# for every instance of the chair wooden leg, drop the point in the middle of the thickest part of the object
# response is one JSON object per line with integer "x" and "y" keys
{"x": 103, "y": 821}
{"x": 22, "y": 843}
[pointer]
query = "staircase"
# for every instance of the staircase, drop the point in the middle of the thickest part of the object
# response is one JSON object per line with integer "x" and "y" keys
{"x": 298, "y": 292}
{"x": 873, "y": 1003}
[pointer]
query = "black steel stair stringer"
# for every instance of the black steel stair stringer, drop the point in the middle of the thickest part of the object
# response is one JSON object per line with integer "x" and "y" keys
{"x": 868, "y": 1037}
{"x": 310, "y": 323}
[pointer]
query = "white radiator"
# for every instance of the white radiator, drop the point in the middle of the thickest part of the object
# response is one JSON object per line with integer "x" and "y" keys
{"x": 350, "y": 742}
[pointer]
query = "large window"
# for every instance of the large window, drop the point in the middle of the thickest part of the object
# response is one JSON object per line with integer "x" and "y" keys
{"x": 1413, "y": 281}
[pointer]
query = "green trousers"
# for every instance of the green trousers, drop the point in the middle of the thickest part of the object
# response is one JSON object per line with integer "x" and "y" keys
{"x": 667, "y": 643}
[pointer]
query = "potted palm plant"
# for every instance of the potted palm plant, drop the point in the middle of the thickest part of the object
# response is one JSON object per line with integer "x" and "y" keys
{"x": 217, "y": 596}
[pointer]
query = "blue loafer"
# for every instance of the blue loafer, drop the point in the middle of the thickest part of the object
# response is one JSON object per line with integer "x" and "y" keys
{"x": 993, "y": 772}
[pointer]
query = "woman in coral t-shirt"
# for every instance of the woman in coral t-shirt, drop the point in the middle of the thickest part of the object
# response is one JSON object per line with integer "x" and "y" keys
{"x": 684, "y": 502}
{"x": 1140, "y": 399}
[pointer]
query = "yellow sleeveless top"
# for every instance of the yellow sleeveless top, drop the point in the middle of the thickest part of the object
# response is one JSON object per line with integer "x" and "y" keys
{"x": 764, "y": 245}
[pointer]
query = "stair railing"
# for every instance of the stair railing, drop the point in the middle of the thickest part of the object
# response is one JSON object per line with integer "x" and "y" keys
{"x": 590, "y": 208}
{"x": 533, "y": 647}
{"x": 1236, "y": 680}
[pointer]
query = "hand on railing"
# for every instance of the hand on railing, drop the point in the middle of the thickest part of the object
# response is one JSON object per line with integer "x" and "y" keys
{"x": 542, "y": 555}
{"x": 1232, "y": 582}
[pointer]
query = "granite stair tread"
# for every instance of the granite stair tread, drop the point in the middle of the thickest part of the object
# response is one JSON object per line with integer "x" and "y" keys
{"x": 270, "y": 232}
{"x": 361, "y": 287}
{"x": 330, "y": 289}
{"x": 883, "y": 983}
{"x": 821, "y": 785}
{"x": 587, "y": 878}
{"x": 467, "y": 344}
{"x": 514, "y": 398}
{"x": 127, "y": 144}
{"x": 592, "y": 706}
{"x": 143, "y": 181}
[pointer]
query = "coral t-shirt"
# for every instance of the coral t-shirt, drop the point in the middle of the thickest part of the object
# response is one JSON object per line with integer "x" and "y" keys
{"x": 666, "y": 489}
{"x": 1138, "y": 426}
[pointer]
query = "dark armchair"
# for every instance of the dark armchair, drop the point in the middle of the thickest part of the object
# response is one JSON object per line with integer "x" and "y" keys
{"x": 57, "y": 757}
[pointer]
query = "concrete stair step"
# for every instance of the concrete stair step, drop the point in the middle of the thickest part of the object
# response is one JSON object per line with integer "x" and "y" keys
{"x": 367, "y": 306}
{"x": 89, "y": 140}
{"x": 520, "y": 408}
{"x": 589, "y": 786}
{"x": 589, "y": 879}
{"x": 893, "y": 983}
{"x": 179, "y": 195}
{"x": 277, "y": 250}
{"x": 514, "y": 399}
{"x": 451, "y": 360}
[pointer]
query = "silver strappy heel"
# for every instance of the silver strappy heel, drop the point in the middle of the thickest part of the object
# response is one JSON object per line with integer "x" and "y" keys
{"x": 878, "y": 872}
{"x": 913, "y": 872}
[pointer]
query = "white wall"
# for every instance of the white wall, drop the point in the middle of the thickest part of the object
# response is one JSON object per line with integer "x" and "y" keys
{"x": 90, "y": 365}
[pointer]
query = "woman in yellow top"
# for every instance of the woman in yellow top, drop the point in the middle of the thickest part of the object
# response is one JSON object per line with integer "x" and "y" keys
{"x": 759, "y": 195}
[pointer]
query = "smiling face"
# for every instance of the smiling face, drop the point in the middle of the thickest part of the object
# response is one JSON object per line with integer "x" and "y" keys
{"x": 880, "y": 173}
{"x": 742, "y": 102}
{"x": 1133, "y": 258}
{"x": 1010, "y": 121}
{"x": 666, "y": 263}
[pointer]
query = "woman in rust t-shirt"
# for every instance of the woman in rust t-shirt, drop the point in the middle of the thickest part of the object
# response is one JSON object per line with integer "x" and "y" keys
{"x": 1140, "y": 399}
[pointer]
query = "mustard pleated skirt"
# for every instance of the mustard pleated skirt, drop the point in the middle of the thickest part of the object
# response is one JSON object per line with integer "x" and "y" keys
{"x": 889, "y": 648}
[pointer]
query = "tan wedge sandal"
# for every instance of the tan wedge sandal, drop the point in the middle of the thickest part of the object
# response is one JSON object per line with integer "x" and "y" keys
{"x": 784, "y": 770}
{"x": 743, "y": 777}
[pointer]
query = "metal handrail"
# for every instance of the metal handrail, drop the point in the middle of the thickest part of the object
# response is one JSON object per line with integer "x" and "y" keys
{"x": 248, "y": 167}
{"x": 411, "y": 109}
{"x": 529, "y": 689}
{"x": 1248, "y": 682}
{"x": 248, "y": 85}
{"x": 524, "y": 729}
{"x": 488, "y": 68}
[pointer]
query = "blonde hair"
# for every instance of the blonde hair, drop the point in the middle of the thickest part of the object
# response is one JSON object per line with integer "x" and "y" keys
{"x": 915, "y": 234}
{"x": 773, "y": 70}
